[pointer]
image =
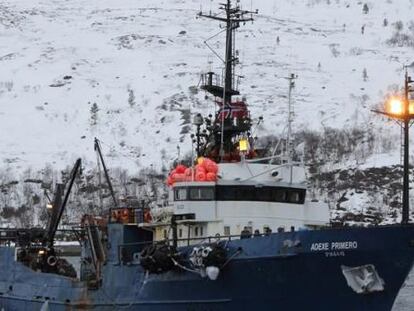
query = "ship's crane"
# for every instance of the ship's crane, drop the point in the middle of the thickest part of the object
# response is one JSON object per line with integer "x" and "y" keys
{"x": 39, "y": 253}
{"x": 108, "y": 180}
{"x": 58, "y": 206}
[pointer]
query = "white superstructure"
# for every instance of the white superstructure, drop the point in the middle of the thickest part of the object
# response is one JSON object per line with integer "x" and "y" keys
{"x": 247, "y": 196}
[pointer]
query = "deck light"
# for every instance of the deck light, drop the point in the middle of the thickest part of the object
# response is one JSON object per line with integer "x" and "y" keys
{"x": 243, "y": 145}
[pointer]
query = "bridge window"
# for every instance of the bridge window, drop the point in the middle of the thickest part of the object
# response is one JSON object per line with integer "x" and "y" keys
{"x": 241, "y": 193}
{"x": 294, "y": 197}
{"x": 201, "y": 193}
{"x": 180, "y": 194}
{"x": 278, "y": 195}
{"x": 261, "y": 194}
{"x": 236, "y": 193}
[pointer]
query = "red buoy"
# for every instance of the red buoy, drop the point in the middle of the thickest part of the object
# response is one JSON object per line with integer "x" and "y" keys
{"x": 211, "y": 177}
{"x": 200, "y": 176}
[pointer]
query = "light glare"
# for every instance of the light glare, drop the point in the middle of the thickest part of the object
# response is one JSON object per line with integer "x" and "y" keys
{"x": 395, "y": 106}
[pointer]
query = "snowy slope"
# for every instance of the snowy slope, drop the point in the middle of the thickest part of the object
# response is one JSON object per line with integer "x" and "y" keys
{"x": 137, "y": 59}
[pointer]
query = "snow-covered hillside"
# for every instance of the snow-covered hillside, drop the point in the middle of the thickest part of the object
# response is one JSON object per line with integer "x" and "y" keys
{"x": 122, "y": 71}
{"x": 127, "y": 72}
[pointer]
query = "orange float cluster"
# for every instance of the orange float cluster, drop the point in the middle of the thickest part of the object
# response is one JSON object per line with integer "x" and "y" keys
{"x": 205, "y": 170}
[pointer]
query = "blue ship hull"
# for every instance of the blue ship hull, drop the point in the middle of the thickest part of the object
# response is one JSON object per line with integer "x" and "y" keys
{"x": 294, "y": 271}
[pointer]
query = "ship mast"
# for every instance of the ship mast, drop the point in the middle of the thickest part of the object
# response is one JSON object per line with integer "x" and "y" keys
{"x": 233, "y": 16}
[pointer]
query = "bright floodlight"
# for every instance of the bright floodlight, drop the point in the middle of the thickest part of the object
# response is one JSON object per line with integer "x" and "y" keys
{"x": 395, "y": 106}
{"x": 243, "y": 145}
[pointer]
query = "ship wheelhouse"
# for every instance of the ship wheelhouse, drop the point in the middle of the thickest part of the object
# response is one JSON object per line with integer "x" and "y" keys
{"x": 246, "y": 196}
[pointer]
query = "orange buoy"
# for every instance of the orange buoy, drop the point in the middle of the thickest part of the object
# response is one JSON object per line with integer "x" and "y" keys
{"x": 200, "y": 176}
{"x": 206, "y": 161}
{"x": 180, "y": 169}
{"x": 200, "y": 168}
{"x": 211, "y": 176}
{"x": 211, "y": 167}
{"x": 178, "y": 177}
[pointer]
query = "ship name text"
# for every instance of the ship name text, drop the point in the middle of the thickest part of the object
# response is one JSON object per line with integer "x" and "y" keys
{"x": 333, "y": 246}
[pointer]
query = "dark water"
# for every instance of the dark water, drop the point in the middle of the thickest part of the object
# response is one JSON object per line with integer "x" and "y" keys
{"x": 405, "y": 300}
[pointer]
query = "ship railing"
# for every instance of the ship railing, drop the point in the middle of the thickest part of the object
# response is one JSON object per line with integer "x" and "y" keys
{"x": 210, "y": 79}
{"x": 271, "y": 168}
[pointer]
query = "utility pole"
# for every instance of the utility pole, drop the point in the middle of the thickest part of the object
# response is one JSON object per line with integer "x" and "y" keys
{"x": 402, "y": 110}
{"x": 406, "y": 181}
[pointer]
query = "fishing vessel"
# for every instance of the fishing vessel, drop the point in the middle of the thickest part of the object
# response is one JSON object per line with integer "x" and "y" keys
{"x": 240, "y": 233}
